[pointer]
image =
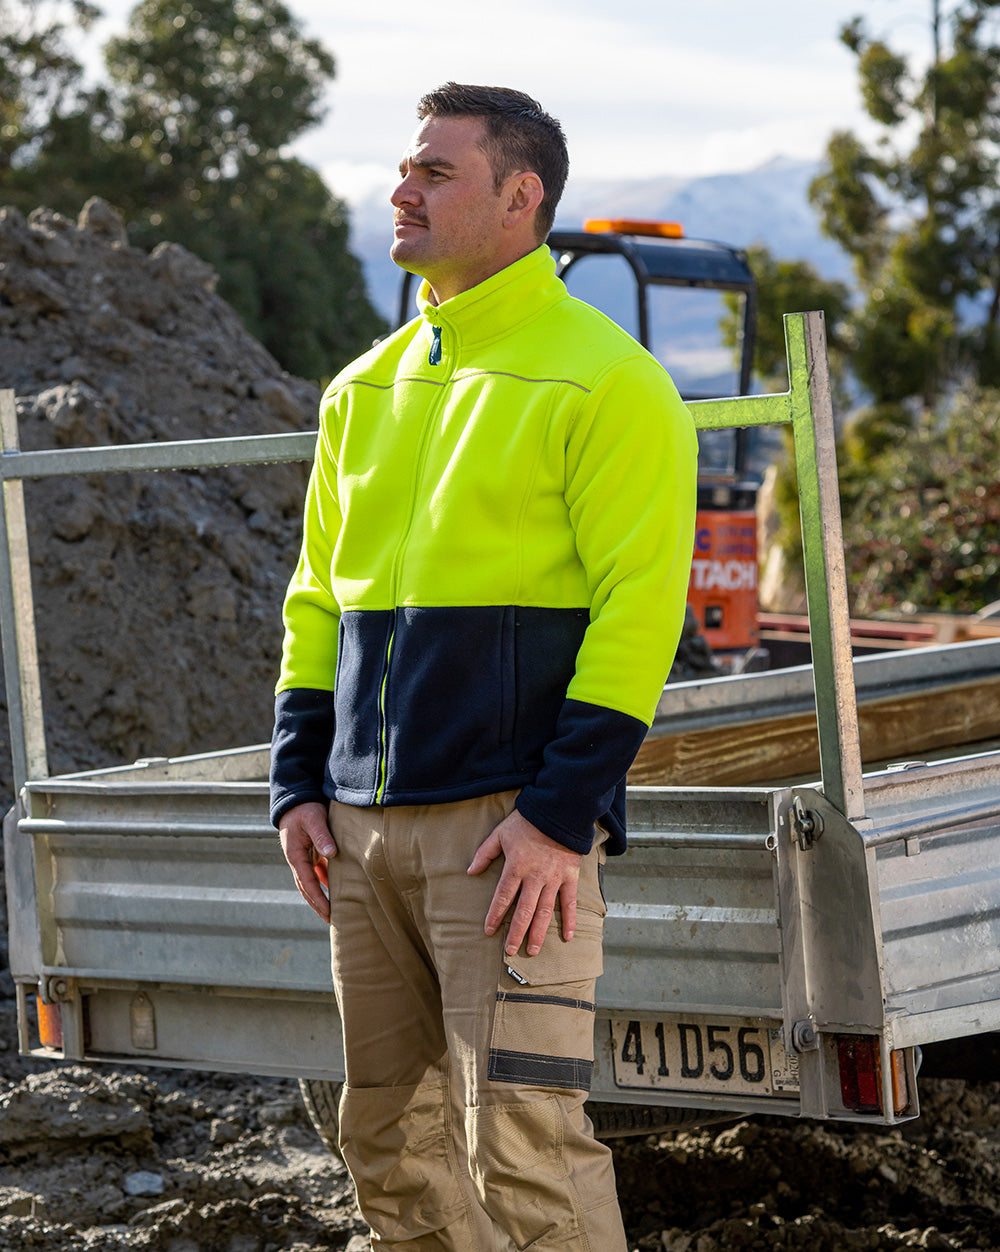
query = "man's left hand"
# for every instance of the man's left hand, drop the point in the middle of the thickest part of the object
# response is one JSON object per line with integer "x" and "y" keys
{"x": 537, "y": 871}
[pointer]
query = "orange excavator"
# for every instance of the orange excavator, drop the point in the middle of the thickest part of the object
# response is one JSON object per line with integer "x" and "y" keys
{"x": 664, "y": 268}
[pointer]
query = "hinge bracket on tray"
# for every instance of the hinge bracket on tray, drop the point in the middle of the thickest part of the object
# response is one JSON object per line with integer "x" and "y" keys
{"x": 807, "y": 824}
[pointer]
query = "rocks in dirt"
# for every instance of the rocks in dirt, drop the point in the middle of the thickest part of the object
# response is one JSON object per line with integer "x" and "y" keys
{"x": 99, "y": 218}
{"x": 174, "y": 264}
{"x": 279, "y": 399}
{"x": 76, "y": 412}
{"x": 280, "y": 1112}
{"x": 144, "y": 1182}
{"x": 17, "y": 1203}
{"x": 224, "y": 1131}
{"x": 821, "y": 1187}
{"x": 171, "y": 1185}
{"x": 70, "y": 1105}
{"x": 36, "y": 293}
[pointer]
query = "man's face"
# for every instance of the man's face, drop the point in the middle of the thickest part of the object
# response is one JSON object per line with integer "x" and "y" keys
{"x": 449, "y": 219}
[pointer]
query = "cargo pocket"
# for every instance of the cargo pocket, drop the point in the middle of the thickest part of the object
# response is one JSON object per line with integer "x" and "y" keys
{"x": 543, "y": 1025}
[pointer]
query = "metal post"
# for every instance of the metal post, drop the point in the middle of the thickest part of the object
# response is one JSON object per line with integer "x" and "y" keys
{"x": 17, "y": 620}
{"x": 808, "y": 406}
{"x": 825, "y": 566}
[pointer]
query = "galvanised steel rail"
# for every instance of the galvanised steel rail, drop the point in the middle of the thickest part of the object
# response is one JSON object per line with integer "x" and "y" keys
{"x": 806, "y": 407}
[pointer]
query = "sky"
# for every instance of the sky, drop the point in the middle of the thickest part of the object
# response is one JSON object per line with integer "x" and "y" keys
{"x": 644, "y": 88}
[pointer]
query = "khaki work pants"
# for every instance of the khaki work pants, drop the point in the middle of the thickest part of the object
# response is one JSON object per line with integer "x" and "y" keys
{"x": 462, "y": 1119}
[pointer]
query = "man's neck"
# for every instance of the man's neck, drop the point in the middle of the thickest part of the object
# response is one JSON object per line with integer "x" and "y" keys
{"x": 448, "y": 290}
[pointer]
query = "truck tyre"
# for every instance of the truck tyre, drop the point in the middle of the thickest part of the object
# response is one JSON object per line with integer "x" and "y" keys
{"x": 322, "y": 1101}
{"x": 611, "y": 1121}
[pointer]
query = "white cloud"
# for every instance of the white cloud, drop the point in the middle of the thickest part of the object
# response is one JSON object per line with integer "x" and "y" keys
{"x": 360, "y": 182}
{"x": 643, "y": 87}
{"x": 637, "y": 97}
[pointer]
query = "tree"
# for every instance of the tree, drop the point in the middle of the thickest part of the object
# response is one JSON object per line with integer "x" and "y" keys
{"x": 189, "y": 139}
{"x": 39, "y": 75}
{"x": 786, "y": 287}
{"x": 278, "y": 240}
{"x": 206, "y": 85}
{"x": 210, "y": 93}
{"x": 921, "y": 519}
{"x": 919, "y": 210}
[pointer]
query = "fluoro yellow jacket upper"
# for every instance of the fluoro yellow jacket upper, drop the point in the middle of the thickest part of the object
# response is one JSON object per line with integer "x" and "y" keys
{"x": 497, "y": 544}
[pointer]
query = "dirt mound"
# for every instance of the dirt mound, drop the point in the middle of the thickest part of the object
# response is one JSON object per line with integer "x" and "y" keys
{"x": 822, "y": 1187}
{"x": 156, "y": 595}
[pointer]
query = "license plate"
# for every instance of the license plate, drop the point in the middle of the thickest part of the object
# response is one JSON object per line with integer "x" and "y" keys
{"x": 735, "y": 1055}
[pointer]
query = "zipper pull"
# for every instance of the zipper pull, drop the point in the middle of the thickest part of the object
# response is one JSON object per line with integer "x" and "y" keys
{"x": 434, "y": 356}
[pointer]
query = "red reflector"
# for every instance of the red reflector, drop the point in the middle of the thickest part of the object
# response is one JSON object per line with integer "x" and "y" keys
{"x": 860, "y": 1072}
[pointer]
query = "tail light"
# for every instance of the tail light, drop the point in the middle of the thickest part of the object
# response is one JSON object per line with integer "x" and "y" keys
{"x": 860, "y": 1061}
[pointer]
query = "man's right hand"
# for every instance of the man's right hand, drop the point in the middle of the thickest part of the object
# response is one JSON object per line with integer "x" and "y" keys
{"x": 308, "y": 845}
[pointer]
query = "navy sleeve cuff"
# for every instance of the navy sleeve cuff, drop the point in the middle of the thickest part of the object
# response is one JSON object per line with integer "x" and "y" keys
{"x": 300, "y": 745}
{"x": 582, "y": 776}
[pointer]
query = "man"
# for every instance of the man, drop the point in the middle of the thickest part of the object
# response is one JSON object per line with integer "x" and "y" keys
{"x": 496, "y": 549}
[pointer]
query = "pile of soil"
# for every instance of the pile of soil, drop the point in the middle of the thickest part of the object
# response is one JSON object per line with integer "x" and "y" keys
{"x": 157, "y": 596}
{"x": 157, "y": 599}
{"x": 823, "y": 1187}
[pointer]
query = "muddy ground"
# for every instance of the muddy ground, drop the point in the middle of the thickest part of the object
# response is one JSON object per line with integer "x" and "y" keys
{"x": 104, "y": 1160}
{"x": 157, "y": 600}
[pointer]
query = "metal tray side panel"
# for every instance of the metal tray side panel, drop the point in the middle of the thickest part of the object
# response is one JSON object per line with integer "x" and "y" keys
{"x": 184, "y": 883}
{"x": 689, "y": 929}
{"x": 936, "y": 832}
{"x": 252, "y": 1033}
{"x": 176, "y": 884}
{"x": 940, "y": 909}
{"x": 692, "y": 923}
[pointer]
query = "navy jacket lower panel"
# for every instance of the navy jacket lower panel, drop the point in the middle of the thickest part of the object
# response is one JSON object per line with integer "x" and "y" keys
{"x": 433, "y": 704}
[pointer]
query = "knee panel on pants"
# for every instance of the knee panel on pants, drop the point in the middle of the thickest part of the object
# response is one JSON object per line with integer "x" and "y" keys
{"x": 398, "y": 1144}
{"x": 516, "y": 1156}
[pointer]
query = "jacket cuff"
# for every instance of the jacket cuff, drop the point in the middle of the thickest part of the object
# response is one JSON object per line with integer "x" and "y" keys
{"x": 582, "y": 776}
{"x": 300, "y": 745}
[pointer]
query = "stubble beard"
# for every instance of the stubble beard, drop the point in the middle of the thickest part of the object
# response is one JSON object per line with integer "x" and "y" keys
{"x": 405, "y": 252}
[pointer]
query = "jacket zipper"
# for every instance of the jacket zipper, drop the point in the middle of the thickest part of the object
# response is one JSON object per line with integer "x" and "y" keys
{"x": 433, "y": 358}
{"x": 383, "y": 731}
{"x": 434, "y": 355}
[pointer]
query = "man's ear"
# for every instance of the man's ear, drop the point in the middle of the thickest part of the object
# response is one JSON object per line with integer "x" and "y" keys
{"x": 524, "y": 194}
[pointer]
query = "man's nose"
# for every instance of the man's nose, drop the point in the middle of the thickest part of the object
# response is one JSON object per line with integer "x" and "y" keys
{"x": 406, "y": 193}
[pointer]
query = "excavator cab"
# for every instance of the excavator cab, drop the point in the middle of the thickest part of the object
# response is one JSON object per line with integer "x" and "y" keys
{"x": 647, "y": 280}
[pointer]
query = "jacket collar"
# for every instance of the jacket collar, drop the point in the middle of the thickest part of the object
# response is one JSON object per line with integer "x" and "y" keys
{"x": 492, "y": 308}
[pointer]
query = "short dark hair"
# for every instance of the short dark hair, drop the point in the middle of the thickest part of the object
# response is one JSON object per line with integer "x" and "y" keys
{"x": 519, "y": 135}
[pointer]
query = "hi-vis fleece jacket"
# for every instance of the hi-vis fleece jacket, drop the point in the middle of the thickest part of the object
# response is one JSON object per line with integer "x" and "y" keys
{"x": 497, "y": 543}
